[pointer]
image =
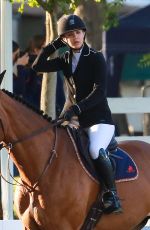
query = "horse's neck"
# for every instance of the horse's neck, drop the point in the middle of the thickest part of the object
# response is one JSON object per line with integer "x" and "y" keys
{"x": 31, "y": 156}
{"x": 49, "y": 154}
{"x": 28, "y": 154}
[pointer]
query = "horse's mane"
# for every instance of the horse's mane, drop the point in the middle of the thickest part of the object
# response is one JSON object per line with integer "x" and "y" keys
{"x": 27, "y": 104}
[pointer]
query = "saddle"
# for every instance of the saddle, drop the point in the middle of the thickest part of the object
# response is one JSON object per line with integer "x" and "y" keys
{"x": 124, "y": 166}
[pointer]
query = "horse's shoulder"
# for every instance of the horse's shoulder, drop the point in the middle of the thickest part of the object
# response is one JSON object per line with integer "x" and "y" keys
{"x": 133, "y": 143}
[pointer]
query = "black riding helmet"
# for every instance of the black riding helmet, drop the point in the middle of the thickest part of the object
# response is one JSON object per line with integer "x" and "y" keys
{"x": 69, "y": 23}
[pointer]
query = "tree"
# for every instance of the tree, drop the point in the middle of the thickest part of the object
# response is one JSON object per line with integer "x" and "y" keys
{"x": 53, "y": 9}
{"x": 145, "y": 61}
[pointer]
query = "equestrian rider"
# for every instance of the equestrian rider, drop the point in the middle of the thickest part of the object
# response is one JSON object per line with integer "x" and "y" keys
{"x": 85, "y": 75}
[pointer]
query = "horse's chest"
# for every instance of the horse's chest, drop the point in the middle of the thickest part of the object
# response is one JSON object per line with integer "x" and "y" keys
{"x": 37, "y": 210}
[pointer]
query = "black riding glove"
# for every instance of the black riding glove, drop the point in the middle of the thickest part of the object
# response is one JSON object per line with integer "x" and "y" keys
{"x": 58, "y": 43}
{"x": 74, "y": 110}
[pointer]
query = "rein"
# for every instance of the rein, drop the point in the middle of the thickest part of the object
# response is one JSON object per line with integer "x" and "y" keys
{"x": 25, "y": 138}
{"x": 53, "y": 153}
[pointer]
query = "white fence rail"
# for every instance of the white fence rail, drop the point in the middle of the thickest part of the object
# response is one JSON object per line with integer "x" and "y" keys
{"x": 130, "y": 105}
{"x": 10, "y": 225}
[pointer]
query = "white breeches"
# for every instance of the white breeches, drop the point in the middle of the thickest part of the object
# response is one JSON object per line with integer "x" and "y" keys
{"x": 100, "y": 136}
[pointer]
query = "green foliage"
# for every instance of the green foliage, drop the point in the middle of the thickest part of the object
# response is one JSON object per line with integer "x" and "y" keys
{"x": 33, "y": 3}
{"x": 110, "y": 8}
{"x": 30, "y": 3}
{"x": 111, "y": 13}
{"x": 48, "y": 5}
{"x": 144, "y": 61}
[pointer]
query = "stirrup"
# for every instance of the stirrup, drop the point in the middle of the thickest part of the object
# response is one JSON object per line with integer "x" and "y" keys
{"x": 111, "y": 203}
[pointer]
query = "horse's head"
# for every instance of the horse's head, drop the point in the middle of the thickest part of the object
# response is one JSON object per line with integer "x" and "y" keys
{"x": 1, "y": 122}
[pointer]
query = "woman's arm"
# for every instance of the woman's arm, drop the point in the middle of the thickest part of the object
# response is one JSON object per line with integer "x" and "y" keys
{"x": 43, "y": 64}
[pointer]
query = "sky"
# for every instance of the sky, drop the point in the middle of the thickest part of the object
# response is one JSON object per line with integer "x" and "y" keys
{"x": 141, "y": 3}
{"x": 138, "y": 2}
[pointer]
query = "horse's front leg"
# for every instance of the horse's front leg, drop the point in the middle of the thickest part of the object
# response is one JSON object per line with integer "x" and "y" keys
{"x": 25, "y": 228}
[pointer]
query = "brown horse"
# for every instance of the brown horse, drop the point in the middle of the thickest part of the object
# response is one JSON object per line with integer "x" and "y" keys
{"x": 55, "y": 193}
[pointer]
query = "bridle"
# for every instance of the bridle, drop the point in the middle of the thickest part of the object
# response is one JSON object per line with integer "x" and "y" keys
{"x": 53, "y": 153}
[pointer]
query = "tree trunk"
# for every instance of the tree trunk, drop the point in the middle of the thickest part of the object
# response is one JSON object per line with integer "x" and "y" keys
{"x": 91, "y": 13}
{"x": 48, "y": 93}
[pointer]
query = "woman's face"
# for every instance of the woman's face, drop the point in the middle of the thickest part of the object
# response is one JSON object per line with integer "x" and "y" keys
{"x": 74, "y": 39}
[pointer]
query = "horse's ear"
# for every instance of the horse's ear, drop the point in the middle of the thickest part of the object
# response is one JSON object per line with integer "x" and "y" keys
{"x": 1, "y": 76}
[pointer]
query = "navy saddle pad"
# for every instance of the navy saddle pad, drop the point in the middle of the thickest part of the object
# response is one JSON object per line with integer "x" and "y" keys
{"x": 125, "y": 167}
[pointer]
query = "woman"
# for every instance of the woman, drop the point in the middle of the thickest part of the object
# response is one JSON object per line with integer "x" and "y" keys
{"x": 85, "y": 73}
{"x": 34, "y": 80}
{"x": 20, "y": 72}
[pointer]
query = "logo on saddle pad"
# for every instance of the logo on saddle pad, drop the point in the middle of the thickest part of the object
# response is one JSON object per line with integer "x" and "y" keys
{"x": 130, "y": 169}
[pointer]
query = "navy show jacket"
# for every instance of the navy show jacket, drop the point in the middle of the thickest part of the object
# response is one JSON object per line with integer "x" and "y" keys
{"x": 86, "y": 87}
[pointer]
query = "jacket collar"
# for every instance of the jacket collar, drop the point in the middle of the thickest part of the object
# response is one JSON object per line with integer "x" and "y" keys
{"x": 85, "y": 50}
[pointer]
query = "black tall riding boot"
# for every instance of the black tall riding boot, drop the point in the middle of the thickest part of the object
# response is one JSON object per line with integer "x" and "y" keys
{"x": 105, "y": 173}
